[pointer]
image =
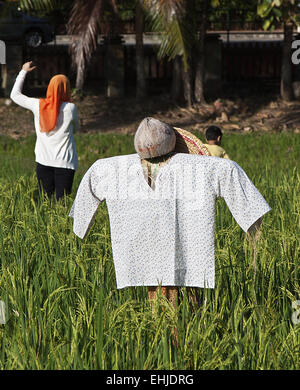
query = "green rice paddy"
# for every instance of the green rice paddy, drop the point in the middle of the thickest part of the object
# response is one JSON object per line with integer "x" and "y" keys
{"x": 63, "y": 308}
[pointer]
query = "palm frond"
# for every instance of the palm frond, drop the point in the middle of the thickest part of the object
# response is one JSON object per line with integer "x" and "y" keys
{"x": 39, "y": 5}
{"x": 84, "y": 26}
{"x": 168, "y": 18}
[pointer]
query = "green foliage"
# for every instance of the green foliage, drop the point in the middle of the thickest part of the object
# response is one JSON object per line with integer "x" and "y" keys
{"x": 232, "y": 12}
{"x": 282, "y": 11}
{"x": 48, "y": 7}
{"x": 54, "y": 10}
{"x": 168, "y": 19}
{"x": 40, "y": 5}
{"x": 63, "y": 308}
{"x": 264, "y": 8}
{"x": 126, "y": 9}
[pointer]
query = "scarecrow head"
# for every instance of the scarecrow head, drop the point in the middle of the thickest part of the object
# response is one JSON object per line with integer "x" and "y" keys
{"x": 154, "y": 138}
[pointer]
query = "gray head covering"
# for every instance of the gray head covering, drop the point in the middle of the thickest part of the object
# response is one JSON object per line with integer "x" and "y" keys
{"x": 154, "y": 138}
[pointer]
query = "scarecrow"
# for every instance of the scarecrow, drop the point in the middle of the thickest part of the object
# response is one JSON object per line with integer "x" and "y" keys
{"x": 161, "y": 206}
{"x": 154, "y": 155}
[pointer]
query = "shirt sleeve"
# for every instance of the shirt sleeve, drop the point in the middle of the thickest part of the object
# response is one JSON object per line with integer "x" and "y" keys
{"x": 86, "y": 202}
{"x": 75, "y": 119}
{"x": 17, "y": 96}
{"x": 243, "y": 199}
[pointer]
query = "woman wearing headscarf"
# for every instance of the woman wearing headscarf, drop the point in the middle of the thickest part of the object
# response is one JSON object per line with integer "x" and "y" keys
{"x": 55, "y": 119}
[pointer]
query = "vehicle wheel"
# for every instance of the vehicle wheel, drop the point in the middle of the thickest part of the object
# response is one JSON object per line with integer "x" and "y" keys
{"x": 33, "y": 38}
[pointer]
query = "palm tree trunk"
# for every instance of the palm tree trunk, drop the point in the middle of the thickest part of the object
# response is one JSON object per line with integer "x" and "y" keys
{"x": 80, "y": 79}
{"x": 189, "y": 20}
{"x": 176, "y": 80}
{"x": 200, "y": 58}
{"x": 80, "y": 72}
{"x": 187, "y": 87}
{"x": 286, "y": 89}
{"x": 140, "y": 69}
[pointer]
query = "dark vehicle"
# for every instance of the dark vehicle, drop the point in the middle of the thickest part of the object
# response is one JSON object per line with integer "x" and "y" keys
{"x": 17, "y": 26}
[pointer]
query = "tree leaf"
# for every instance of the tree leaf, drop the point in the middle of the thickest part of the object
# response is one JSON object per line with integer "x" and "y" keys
{"x": 167, "y": 17}
{"x": 267, "y": 23}
{"x": 39, "y": 5}
{"x": 277, "y": 12}
{"x": 264, "y": 9}
{"x": 277, "y": 3}
{"x": 297, "y": 19}
{"x": 215, "y": 3}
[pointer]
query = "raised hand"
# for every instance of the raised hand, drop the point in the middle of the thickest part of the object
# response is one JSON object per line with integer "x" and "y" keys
{"x": 28, "y": 66}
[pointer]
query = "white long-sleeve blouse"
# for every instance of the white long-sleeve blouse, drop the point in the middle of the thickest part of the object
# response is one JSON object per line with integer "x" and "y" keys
{"x": 165, "y": 235}
{"x": 56, "y": 148}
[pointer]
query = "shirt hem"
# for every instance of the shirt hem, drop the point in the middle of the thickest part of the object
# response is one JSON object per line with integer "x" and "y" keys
{"x": 56, "y": 164}
{"x": 202, "y": 285}
{"x": 254, "y": 218}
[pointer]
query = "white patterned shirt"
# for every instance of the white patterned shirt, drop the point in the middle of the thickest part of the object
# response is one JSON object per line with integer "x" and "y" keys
{"x": 165, "y": 236}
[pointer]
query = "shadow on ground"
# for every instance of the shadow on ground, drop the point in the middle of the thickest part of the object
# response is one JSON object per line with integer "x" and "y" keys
{"x": 241, "y": 107}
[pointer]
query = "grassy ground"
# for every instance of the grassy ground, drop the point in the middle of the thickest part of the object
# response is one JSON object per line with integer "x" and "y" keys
{"x": 63, "y": 308}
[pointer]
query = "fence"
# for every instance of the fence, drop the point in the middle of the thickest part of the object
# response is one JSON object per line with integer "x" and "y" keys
{"x": 249, "y": 60}
{"x": 57, "y": 59}
{"x": 241, "y": 61}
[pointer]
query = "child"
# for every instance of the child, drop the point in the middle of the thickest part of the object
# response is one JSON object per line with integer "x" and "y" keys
{"x": 213, "y": 137}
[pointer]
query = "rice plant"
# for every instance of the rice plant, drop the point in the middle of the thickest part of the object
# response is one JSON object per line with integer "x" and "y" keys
{"x": 63, "y": 308}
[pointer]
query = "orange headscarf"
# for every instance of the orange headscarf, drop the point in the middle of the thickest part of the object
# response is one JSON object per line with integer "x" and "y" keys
{"x": 58, "y": 91}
